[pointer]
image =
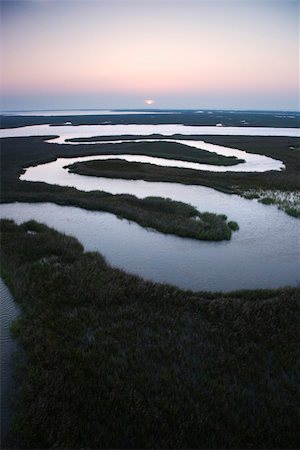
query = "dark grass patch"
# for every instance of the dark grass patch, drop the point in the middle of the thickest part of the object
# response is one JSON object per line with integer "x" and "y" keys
{"x": 117, "y": 168}
{"x": 117, "y": 362}
{"x": 267, "y": 201}
{"x": 169, "y": 150}
{"x": 17, "y": 153}
{"x": 164, "y": 215}
{"x": 233, "y": 225}
{"x": 186, "y": 117}
{"x": 292, "y": 212}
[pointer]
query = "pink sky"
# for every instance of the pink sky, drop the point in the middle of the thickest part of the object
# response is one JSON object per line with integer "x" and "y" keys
{"x": 173, "y": 51}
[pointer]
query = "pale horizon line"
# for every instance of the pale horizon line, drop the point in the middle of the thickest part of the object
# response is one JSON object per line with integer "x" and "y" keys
{"x": 153, "y": 109}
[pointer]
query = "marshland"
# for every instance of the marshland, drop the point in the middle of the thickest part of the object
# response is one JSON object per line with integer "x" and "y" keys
{"x": 149, "y": 214}
{"x": 113, "y": 361}
{"x": 180, "y": 347}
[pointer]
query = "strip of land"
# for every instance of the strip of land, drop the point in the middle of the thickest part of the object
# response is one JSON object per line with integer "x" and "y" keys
{"x": 17, "y": 153}
{"x": 279, "y": 188}
{"x": 112, "y": 361}
{"x": 172, "y": 150}
{"x": 289, "y": 201}
{"x": 185, "y": 117}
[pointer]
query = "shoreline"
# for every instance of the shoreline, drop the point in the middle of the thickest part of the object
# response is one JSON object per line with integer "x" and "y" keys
{"x": 105, "y": 328}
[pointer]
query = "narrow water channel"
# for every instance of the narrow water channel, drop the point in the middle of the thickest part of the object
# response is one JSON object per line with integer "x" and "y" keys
{"x": 264, "y": 253}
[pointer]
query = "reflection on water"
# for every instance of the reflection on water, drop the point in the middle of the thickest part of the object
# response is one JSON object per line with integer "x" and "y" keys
{"x": 53, "y": 172}
{"x": 264, "y": 253}
{"x": 81, "y": 131}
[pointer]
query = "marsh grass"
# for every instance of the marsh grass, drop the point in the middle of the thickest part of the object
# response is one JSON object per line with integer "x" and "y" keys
{"x": 288, "y": 201}
{"x": 160, "y": 214}
{"x": 186, "y": 117}
{"x": 113, "y": 361}
{"x": 233, "y": 225}
{"x": 17, "y": 153}
{"x": 166, "y": 150}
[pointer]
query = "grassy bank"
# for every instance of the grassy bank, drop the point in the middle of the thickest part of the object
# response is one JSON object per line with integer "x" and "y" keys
{"x": 280, "y": 148}
{"x": 161, "y": 214}
{"x": 17, "y": 153}
{"x": 117, "y": 168}
{"x": 113, "y": 361}
{"x": 173, "y": 150}
{"x": 167, "y": 150}
{"x": 273, "y": 187}
{"x": 288, "y": 201}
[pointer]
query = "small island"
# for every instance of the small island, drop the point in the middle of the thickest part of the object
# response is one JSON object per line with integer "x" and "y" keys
{"x": 119, "y": 168}
{"x": 163, "y": 149}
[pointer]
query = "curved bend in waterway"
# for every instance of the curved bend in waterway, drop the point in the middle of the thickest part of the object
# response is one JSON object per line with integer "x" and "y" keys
{"x": 263, "y": 254}
{"x": 259, "y": 255}
{"x": 65, "y": 132}
{"x": 253, "y": 162}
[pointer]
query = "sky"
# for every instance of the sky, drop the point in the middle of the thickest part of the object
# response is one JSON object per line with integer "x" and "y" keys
{"x": 185, "y": 54}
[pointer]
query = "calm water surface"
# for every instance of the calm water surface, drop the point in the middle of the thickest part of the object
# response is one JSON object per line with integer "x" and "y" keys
{"x": 81, "y": 131}
{"x": 252, "y": 162}
{"x": 264, "y": 253}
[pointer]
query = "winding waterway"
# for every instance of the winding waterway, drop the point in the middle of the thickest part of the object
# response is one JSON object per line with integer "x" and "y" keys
{"x": 252, "y": 162}
{"x": 65, "y": 132}
{"x": 264, "y": 253}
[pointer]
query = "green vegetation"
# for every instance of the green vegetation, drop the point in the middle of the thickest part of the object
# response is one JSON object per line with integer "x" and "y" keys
{"x": 185, "y": 117}
{"x": 117, "y": 168}
{"x": 280, "y": 188}
{"x": 173, "y": 150}
{"x": 17, "y": 153}
{"x": 233, "y": 225}
{"x": 289, "y": 201}
{"x": 267, "y": 201}
{"x": 112, "y": 361}
{"x": 161, "y": 214}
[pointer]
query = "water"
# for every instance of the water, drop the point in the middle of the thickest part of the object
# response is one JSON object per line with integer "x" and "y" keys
{"x": 201, "y": 197}
{"x": 9, "y": 312}
{"x": 264, "y": 253}
{"x": 252, "y": 163}
{"x": 68, "y": 131}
